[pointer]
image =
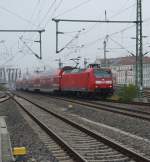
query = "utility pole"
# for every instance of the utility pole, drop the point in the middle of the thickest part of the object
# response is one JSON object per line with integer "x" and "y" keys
{"x": 85, "y": 63}
{"x": 57, "y": 36}
{"x": 105, "y": 62}
{"x": 60, "y": 64}
{"x": 4, "y": 73}
{"x": 139, "y": 47}
{"x": 126, "y": 76}
{"x": 105, "y": 50}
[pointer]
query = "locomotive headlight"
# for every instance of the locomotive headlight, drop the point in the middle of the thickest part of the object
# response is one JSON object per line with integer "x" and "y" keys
{"x": 98, "y": 82}
{"x": 109, "y": 82}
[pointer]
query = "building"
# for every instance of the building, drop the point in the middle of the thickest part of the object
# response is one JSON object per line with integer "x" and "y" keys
{"x": 124, "y": 69}
{"x": 8, "y": 76}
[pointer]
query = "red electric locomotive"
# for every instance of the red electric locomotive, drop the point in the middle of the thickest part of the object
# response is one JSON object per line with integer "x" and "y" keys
{"x": 92, "y": 80}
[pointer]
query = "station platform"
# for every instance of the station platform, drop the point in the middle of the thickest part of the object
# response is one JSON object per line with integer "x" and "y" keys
{"x": 5, "y": 144}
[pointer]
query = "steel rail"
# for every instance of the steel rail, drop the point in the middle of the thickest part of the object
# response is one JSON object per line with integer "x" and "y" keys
{"x": 122, "y": 149}
{"x": 59, "y": 140}
{"x": 115, "y": 109}
{"x": 4, "y": 99}
{"x": 111, "y": 108}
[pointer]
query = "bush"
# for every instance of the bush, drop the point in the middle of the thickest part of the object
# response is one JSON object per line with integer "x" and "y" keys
{"x": 2, "y": 87}
{"x": 128, "y": 93}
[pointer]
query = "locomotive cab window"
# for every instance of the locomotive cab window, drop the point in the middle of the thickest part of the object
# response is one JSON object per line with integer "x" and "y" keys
{"x": 102, "y": 73}
{"x": 67, "y": 71}
{"x": 75, "y": 71}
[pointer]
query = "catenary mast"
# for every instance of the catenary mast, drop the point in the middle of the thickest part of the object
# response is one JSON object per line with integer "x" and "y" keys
{"x": 139, "y": 47}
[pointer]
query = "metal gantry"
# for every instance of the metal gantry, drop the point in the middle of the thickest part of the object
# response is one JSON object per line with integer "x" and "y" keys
{"x": 30, "y": 31}
{"x": 79, "y": 21}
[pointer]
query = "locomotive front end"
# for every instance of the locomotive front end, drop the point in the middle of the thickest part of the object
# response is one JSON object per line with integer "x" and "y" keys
{"x": 103, "y": 81}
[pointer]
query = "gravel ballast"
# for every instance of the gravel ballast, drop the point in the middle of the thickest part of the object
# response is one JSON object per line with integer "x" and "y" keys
{"x": 125, "y": 123}
{"x": 127, "y": 130}
{"x": 22, "y": 134}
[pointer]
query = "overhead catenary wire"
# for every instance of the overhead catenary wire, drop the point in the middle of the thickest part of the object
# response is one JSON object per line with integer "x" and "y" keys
{"x": 94, "y": 24}
{"x": 120, "y": 11}
{"x": 32, "y": 16}
{"x": 47, "y": 22}
{"x": 87, "y": 45}
{"x": 49, "y": 9}
{"x": 16, "y": 15}
{"x": 44, "y": 17}
{"x": 98, "y": 40}
{"x": 57, "y": 7}
{"x": 29, "y": 48}
{"x": 116, "y": 14}
{"x": 119, "y": 44}
{"x": 38, "y": 10}
{"x": 73, "y": 8}
{"x": 123, "y": 10}
{"x": 33, "y": 13}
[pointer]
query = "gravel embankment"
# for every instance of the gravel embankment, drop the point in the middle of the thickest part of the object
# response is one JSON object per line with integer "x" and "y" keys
{"x": 2, "y": 94}
{"x": 22, "y": 135}
{"x": 128, "y": 124}
{"x": 127, "y": 130}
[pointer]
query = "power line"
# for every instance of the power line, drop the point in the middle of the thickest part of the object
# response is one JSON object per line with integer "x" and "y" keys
{"x": 16, "y": 15}
{"x": 111, "y": 34}
{"x": 122, "y": 11}
{"x": 73, "y": 8}
{"x": 45, "y": 15}
{"x": 56, "y": 8}
{"x": 121, "y": 46}
{"x": 34, "y": 10}
{"x": 118, "y": 13}
{"x": 49, "y": 9}
{"x": 47, "y": 22}
{"x": 35, "y": 54}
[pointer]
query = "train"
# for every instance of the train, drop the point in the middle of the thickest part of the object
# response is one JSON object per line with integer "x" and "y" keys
{"x": 93, "y": 80}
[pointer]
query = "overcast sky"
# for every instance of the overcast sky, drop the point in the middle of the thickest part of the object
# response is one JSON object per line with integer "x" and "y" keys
{"x": 38, "y": 14}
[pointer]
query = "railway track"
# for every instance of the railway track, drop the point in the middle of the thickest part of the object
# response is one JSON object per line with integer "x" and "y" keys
{"x": 147, "y": 94}
{"x": 111, "y": 107}
{"x": 80, "y": 143}
{"x": 135, "y": 111}
{"x": 4, "y": 98}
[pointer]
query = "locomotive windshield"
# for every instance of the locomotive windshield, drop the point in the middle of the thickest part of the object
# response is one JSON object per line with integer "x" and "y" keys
{"x": 102, "y": 73}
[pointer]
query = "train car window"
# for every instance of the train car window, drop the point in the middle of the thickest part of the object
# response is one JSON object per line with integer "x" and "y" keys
{"x": 73, "y": 71}
{"x": 67, "y": 71}
{"x": 102, "y": 73}
{"x": 77, "y": 70}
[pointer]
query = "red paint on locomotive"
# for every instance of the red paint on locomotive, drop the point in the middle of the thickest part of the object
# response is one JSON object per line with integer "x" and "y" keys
{"x": 94, "y": 80}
